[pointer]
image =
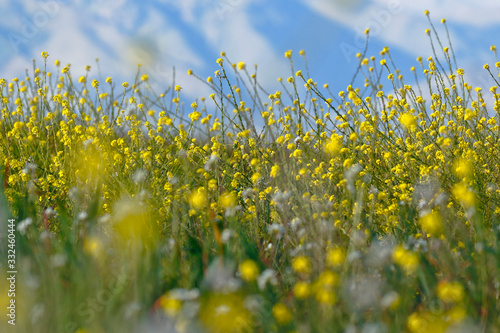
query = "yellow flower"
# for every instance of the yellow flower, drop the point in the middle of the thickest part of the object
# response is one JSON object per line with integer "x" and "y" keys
{"x": 450, "y": 292}
{"x": 244, "y": 133}
{"x": 18, "y": 125}
{"x": 297, "y": 153}
{"x": 170, "y": 305}
{"x": 227, "y": 200}
{"x": 325, "y": 296}
{"x": 432, "y": 223}
{"x": 282, "y": 314}
{"x": 426, "y": 321}
{"x": 462, "y": 168}
{"x": 335, "y": 257}
{"x": 354, "y": 97}
{"x": 327, "y": 279}
{"x": 463, "y": 194}
{"x": 225, "y": 313}
{"x": 45, "y": 54}
{"x": 256, "y": 177}
{"x": 249, "y": 270}
{"x": 333, "y": 146}
{"x": 274, "y": 171}
{"x": 92, "y": 246}
{"x": 198, "y": 199}
{"x": 456, "y": 314}
{"x": 302, "y": 265}
{"x": 408, "y": 260}
{"x": 241, "y": 65}
{"x": 301, "y": 290}
{"x": 133, "y": 225}
{"x": 194, "y": 116}
{"x": 408, "y": 121}
{"x": 82, "y": 330}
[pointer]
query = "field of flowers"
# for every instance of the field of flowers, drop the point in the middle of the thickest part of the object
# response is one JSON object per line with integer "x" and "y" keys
{"x": 374, "y": 209}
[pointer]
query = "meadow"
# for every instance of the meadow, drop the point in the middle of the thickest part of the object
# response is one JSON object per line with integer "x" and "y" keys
{"x": 373, "y": 209}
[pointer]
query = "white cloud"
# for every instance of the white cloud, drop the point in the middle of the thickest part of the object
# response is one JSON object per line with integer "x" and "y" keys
{"x": 225, "y": 26}
{"x": 61, "y": 36}
{"x": 80, "y": 32}
{"x": 397, "y": 21}
{"x": 242, "y": 42}
{"x": 474, "y": 13}
{"x": 187, "y": 8}
{"x": 108, "y": 10}
{"x": 170, "y": 41}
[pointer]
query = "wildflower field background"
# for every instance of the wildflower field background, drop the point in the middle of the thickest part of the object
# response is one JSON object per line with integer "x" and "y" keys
{"x": 374, "y": 209}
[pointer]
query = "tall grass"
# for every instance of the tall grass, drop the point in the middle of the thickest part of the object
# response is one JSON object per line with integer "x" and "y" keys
{"x": 375, "y": 209}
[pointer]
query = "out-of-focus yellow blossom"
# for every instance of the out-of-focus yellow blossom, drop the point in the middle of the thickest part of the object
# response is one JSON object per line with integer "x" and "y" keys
{"x": 450, "y": 292}
{"x": 249, "y": 270}
{"x": 408, "y": 260}
{"x": 432, "y": 223}
{"x": 275, "y": 171}
{"x": 301, "y": 265}
{"x": 227, "y": 200}
{"x": 463, "y": 168}
{"x": 225, "y": 313}
{"x": 335, "y": 257}
{"x": 198, "y": 199}
{"x": 170, "y": 305}
{"x": 282, "y": 314}
{"x": 328, "y": 279}
{"x": 133, "y": 224}
{"x": 464, "y": 195}
{"x": 302, "y": 290}
{"x": 408, "y": 121}
{"x": 93, "y": 246}
{"x": 256, "y": 177}
{"x": 325, "y": 296}
{"x": 432, "y": 322}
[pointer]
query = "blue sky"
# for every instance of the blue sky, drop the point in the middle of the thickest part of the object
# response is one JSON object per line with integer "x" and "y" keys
{"x": 191, "y": 34}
